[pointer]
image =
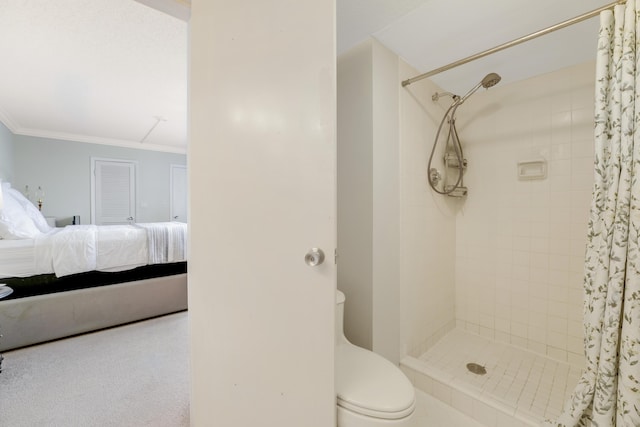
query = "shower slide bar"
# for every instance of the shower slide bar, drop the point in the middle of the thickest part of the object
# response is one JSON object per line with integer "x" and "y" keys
{"x": 515, "y": 42}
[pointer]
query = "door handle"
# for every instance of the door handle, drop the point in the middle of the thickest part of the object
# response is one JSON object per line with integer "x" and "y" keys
{"x": 314, "y": 257}
{"x": 130, "y": 218}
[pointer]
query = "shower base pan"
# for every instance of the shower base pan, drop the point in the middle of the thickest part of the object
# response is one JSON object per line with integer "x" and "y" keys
{"x": 520, "y": 388}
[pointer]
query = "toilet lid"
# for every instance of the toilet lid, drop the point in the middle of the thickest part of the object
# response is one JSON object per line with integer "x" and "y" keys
{"x": 370, "y": 385}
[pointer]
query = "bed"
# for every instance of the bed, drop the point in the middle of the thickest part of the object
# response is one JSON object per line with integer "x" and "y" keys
{"x": 82, "y": 278}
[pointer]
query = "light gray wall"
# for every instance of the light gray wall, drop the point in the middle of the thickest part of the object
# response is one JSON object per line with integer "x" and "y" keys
{"x": 386, "y": 203}
{"x": 6, "y": 153}
{"x": 369, "y": 196}
{"x": 63, "y": 169}
{"x": 355, "y": 191}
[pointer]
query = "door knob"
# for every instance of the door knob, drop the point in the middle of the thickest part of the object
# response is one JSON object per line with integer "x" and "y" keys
{"x": 314, "y": 257}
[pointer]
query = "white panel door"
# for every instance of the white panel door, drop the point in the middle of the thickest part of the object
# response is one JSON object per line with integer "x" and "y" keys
{"x": 262, "y": 154}
{"x": 113, "y": 195}
{"x": 178, "y": 193}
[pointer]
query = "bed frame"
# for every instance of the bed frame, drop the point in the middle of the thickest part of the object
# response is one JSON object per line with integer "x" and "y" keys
{"x": 37, "y": 319}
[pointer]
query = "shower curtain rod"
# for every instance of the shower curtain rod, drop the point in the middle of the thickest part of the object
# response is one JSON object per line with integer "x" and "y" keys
{"x": 515, "y": 42}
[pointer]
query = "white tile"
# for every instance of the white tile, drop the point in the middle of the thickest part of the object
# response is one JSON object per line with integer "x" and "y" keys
{"x": 462, "y": 402}
{"x": 556, "y": 353}
{"x": 535, "y": 346}
{"x": 538, "y": 334}
{"x": 561, "y": 109}
{"x": 519, "y": 329}
{"x": 575, "y": 344}
{"x": 484, "y": 413}
{"x": 561, "y": 151}
{"x": 559, "y": 294}
{"x": 558, "y": 309}
{"x": 442, "y": 392}
{"x": 423, "y": 382}
{"x": 539, "y": 384}
{"x": 431, "y": 412}
{"x": 576, "y": 359}
{"x": 582, "y": 148}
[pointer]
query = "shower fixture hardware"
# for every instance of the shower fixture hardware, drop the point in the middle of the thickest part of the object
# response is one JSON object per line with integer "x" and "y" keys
{"x": 459, "y": 191}
{"x": 451, "y": 160}
{"x": 476, "y": 368}
{"x": 514, "y": 42}
{"x": 454, "y": 157}
{"x": 436, "y": 96}
{"x": 532, "y": 169}
{"x": 489, "y": 80}
{"x": 434, "y": 176}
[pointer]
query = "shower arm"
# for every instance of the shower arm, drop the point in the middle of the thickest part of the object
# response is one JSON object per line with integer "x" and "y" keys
{"x": 436, "y": 96}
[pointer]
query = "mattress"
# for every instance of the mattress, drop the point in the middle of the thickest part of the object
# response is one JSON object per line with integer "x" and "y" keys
{"x": 17, "y": 258}
{"x": 48, "y": 283}
{"x": 82, "y": 248}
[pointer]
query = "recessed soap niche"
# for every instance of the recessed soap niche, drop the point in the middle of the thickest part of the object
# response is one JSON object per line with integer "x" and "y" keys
{"x": 532, "y": 169}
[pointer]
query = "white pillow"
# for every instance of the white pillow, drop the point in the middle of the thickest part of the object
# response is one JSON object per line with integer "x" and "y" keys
{"x": 14, "y": 221}
{"x": 29, "y": 208}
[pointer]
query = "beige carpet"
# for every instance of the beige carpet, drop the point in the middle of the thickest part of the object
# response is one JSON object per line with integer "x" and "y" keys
{"x": 133, "y": 375}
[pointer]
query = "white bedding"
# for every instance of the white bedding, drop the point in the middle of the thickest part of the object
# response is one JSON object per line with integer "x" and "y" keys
{"x": 17, "y": 259}
{"x": 80, "y": 248}
{"x": 166, "y": 241}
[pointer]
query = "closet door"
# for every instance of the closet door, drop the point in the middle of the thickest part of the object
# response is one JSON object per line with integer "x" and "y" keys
{"x": 113, "y": 195}
{"x": 178, "y": 193}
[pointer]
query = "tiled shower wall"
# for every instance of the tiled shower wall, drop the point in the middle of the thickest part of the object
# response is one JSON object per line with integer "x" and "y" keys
{"x": 520, "y": 243}
{"x": 427, "y": 225}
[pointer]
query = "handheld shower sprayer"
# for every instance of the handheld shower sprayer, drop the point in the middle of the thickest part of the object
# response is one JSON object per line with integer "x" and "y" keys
{"x": 489, "y": 80}
{"x": 454, "y": 157}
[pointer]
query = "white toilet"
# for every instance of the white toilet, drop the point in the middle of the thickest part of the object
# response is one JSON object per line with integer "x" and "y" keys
{"x": 371, "y": 391}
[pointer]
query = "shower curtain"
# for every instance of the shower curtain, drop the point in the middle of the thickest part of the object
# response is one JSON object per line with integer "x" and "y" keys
{"x": 608, "y": 394}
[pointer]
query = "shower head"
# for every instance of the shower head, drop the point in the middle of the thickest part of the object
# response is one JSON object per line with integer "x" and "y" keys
{"x": 489, "y": 80}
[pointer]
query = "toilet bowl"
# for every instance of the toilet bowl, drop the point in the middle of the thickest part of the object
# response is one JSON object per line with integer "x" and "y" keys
{"x": 371, "y": 391}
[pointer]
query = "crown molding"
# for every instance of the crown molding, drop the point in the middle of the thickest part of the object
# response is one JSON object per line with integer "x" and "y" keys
{"x": 96, "y": 140}
{"x": 8, "y": 121}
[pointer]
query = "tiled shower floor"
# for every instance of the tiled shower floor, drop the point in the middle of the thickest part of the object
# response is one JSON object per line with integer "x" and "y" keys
{"x": 518, "y": 383}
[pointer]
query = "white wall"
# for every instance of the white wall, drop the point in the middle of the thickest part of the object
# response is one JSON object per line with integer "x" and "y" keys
{"x": 396, "y": 237}
{"x": 520, "y": 244}
{"x": 63, "y": 169}
{"x": 427, "y": 227}
{"x": 386, "y": 206}
{"x": 355, "y": 191}
{"x": 368, "y": 196}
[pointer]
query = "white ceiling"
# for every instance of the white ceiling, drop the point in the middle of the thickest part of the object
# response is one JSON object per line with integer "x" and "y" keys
{"x": 439, "y": 32}
{"x": 94, "y": 71}
{"x": 111, "y": 71}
